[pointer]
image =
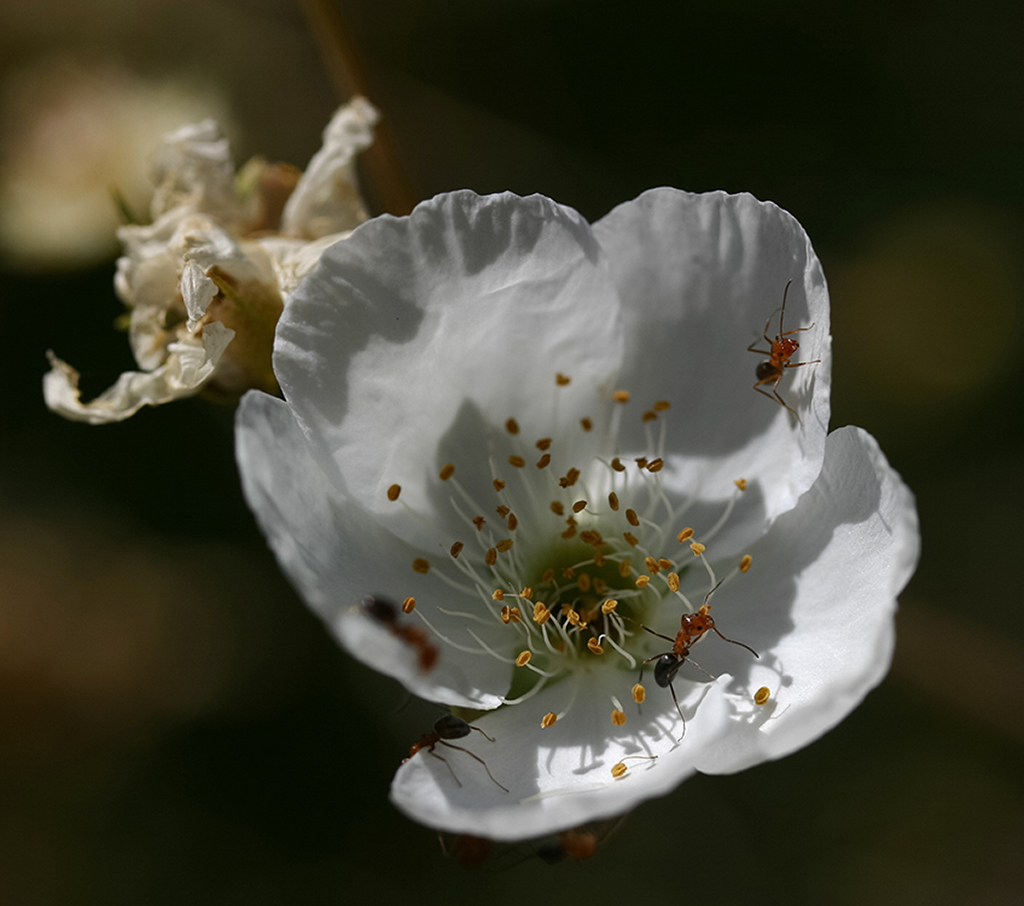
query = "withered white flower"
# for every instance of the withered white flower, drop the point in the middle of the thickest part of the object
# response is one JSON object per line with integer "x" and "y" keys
{"x": 542, "y": 440}
{"x": 206, "y": 280}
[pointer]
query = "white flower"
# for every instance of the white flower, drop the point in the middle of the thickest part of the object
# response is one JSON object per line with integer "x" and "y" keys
{"x": 495, "y": 335}
{"x": 214, "y": 266}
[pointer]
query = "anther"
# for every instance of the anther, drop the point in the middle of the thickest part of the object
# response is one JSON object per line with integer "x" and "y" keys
{"x": 394, "y": 491}
{"x": 621, "y": 396}
{"x": 570, "y": 532}
{"x": 419, "y": 565}
{"x": 557, "y": 508}
{"x": 642, "y": 581}
{"x": 548, "y": 720}
{"x": 408, "y": 605}
{"x": 631, "y": 539}
{"x": 512, "y": 522}
{"x": 662, "y": 406}
{"x": 540, "y": 613}
{"x": 572, "y": 616}
{"x": 524, "y": 658}
{"x": 619, "y": 718}
{"x": 608, "y": 606}
{"x": 625, "y": 567}
{"x": 579, "y": 506}
{"x": 549, "y": 574}
{"x": 595, "y": 646}
{"x": 673, "y": 581}
{"x": 617, "y": 465}
{"x": 491, "y": 557}
{"x": 544, "y": 461}
{"x": 649, "y": 416}
{"x": 505, "y": 545}
{"x": 632, "y": 518}
{"x": 516, "y": 461}
{"x": 593, "y": 538}
{"x": 613, "y": 501}
{"x": 746, "y": 562}
{"x": 652, "y": 566}
{"x": 457, "y": 548}
{"x": 498, "y": 594}
{"x": 697, "y": 548}
{"x": 598, "y": 556}
{"x": 656, "y": 465}
{"x": 527, "y": 592}
{"x": 570, "y": 478}
{"x": 543, "y": 444}
{"x": 499, "y": 485}
{"x": 619, "y": 769}
{"x": 502, "y": 510}
{"x": 512, "y": 426}
{"x": 685, "y": 535}
{"x": 664, "y": 564}
{"x": 639, "y": 693}
{"x": 447, "y": 472}
{"x": 584, "y": 582}
{"x": 515, "y": 615}
{"x": 568, "y": 573}
{"x": 479, "y": 521}
{"x": 562, "y": 380}
{"x": 762, "y": 695}
{"x": 741, "y": 483}
{"x": 586, "y": 424}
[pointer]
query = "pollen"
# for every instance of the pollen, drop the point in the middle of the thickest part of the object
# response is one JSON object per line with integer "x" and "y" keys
{"x": 548, "y": 720}
{"x": 631, "y": 539}
{"x": 608, "y": 606}
{"x": 543, "y": 444}
{"x": 685, "y": 535}
{"x": 579, "y": 506}
{"x": 563, "y": 380}
{"x": 499, "y": 485}
{"x": 621, "y": 396}
{"x": 557, "y": 508}
{"x": 586, "y": 424}
{"x": 613, "y": 501}
{"x": 673, "y": 581}
{"x": 595, "y": 646}
{"x": 421, "y": 566}
{"x": 447, "y": 472}
{"x": 408, "y": 605}
{"x": 619, "y": 769}
{"x": 491, "y": 557}
{"x": 741, "y": 483}
{"x": 632, "y": 518}
{"x": 619, "y": 718}
{"x": 512, "y": 426}
{"x": 762, "y": 695}
{"x": 656, "y": 465}
{"x": 697, "y": 548}
{"x": 512, "y": 522}
{"x": 639, "y": 693}
{"x": 617, "y": 465}
{"x": 394, "y": 491}
{"x": 524, "y": 658}
{"x": 745, "y": 563}
{"x": 544, "y": 461}
{"x": 505, "y": 545}
{"x": 642, "y": 581}
{"x": 457, "y": 548}
{"x": 662, "y": 406}
{"x": 516, "y": 461}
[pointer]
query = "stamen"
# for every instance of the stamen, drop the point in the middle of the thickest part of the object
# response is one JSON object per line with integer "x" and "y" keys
{"x": 762, "y": 695}
{"x": 649, "y": 416}
{"x": 548, "y": 720}
{"x": 447, "y": 472}
{"x": 516, "y": 461}
{"x": 608, "y": 606}
{"x": 642, "y": 581}
{"x": 619, "y": 768}
{"x": 685, "y": 535}
{"x": 498, "y": 595}
{"x": 505, "y": 545}
{"x": 621, "y": 396}
{"x": 741, "y": 483}
{"x": 543, "y": 444}
{"x": 491, "y": 557}
{"x": 697, "y": 548}
{"x": 613, "y": 501}
{"x": 512, "y": 522}
{"x": 617, "y": 465}
{"x": 656, "y": 465}
{"x": 421, "y": 566}
{"x": 620, "y": 650}
{"x": 639, "y": 693}
{"x": 499, "y": 485}
{"x": 512, "y": 426}
{"x": 557, "y": 508}
{"x": 746, "y": 562}
{"x": 652, "y": 565}
{"x": 662, "y": 406}
{"x": 524, "y": 658}
{"x": 619, "y": 719}
{"x": 544, "y": 461}
{"x": 408, "y": 605}
{"x": 579, "y": 506}
{"x": 673, "y": 581}
{"x": 586, "y": 424}
{"x": 540, "y": 613}
{"x": 457, "y": 548}
{"x": 479, "y": 522}
{"x": 631, "y": 539}
{"x": 563, "y": 380}
{"x": 394, "y": 491}
{"x": 595, "y": 646}
{"x": 526, "y": 593}
{"x": 632, "y": 518}
{"x": 625, "y": 566}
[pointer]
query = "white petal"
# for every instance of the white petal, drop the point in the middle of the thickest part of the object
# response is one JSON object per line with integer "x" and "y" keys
{"x": 197, "y": 291}
{"x": 326, "y": 199}
{"x": 417, "y": 335}
{"x": 335, "y": 554}
{"x": 818, "y": 604}
{"x": 193, "y": 170}
{"x": 699, "y": 275}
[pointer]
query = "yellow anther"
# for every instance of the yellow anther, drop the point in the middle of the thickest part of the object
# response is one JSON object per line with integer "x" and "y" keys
{"x": 621, "y": 396}
{"x": 447, "y": 472}
{"x": 502, "y": 510}
{"x": 600, "y": 586}
{"x": 652, "y": 566}
{"x": 608, "y": 606}
{"x": 572, "y": 616}
{"x": 512, "y": 522}
{"x": 512, "y": 426}
{"x": 570, "y": 532}
{"x": 741, "y": 483}
{"x": 394, "y": 491}
{"x": 516, "y": 461}
{"x": 619, "y": 769}
{"x": 498, "y": 594}
{"x": 583, "y": 582}
{"x": 419, "y": 565}
{"x": 543, "y": 444}
{"x": 631, "y": 539}
{"x": 515, "y": 615}
{"x": 408, "y": 605}
{"x": 631, "y": 517}
{"x": 642, "y": 581}
{"x": 568, "y": 573}
{"x": 649, "y": 416}
{"x": 479, "y": 522}
{"x": 491, "y": 557}
{"x": 664, "y": 564}
{"x": 613, "y": 501}
{"x": 639, "y": 694}
{"x": 745, "y": 563}
{"x": 570, "y": 478}
{"x": 619, "y": 718}
{"x": 540, "y": 613}
{"x": 617, "y": 465}
{"x": 527, "y": 592}
{"x": 595, "y": 646}
{"x": 506, "y": 614}
{"x": 662, "y": 406}
{"x": 549, "y": 574}
{"x": 593, "y": 538}
{"x": 586, "y": 424}
{"x": 499, "y": 485}
{"x": 505, "y": 545}
{"x": 762, "y": 695}
{"x": 673, "y": 581}
{"x": 544, "y": 461}
{"x": 562, "y": 380}
{"x": 625, "y": 567}
{"x": 457, "y": 548}
{"x": 697, "y": 548}
{"x": 557, "y": 508}
{"x": 579, "y": 506}
{"x": 598, "y": 556}
{"x": 685, "y": 535}
{"x": 548, "y": 720}
{"x": 524, "y": 658}
{"x": 656, "y": 465}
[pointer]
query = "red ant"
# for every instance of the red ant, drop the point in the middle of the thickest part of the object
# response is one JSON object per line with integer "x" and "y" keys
{"x": 693, "y": 627}
{"x": 781, "y": 350}
{"x": 450, "y": 727}
{"x": 385, "y": 613}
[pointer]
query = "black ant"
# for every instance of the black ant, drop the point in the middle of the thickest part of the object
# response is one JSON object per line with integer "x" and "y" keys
{"x": 450, "y": 727}
{"x": 385, "y": 613}
{"x": 779, "y": 353}
{"x": 693, "y": 627}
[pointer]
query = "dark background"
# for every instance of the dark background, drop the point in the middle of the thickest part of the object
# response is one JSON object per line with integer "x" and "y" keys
{"x": 175, "y": 727}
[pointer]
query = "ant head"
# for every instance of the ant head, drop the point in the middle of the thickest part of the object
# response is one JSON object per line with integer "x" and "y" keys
{"x": 784, "y": 347}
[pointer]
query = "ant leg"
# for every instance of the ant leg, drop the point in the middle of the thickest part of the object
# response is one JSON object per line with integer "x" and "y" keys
{"x": 797, "y": 330}
{"x": 679, "y": 710}
{"x": 798, "y": 364}
{"x": 734, "y": 642}
{"x": 477, "y": 757}
{"x": 786, "y": 405}
{"x": 445, "y": 760}
{"x": 701, "y": 669}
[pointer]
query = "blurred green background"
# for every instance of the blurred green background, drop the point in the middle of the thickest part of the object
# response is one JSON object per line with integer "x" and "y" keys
{"x": 175, "y": 727}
